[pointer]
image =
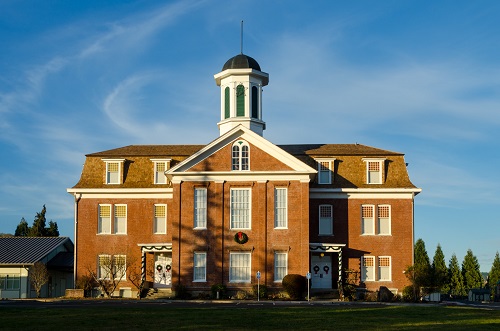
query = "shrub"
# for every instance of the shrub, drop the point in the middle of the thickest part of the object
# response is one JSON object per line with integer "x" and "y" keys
{"x": 295, "y": 285}
{"x": 262, "y": 291}
{"x": 181, "y": 292}
{"x": 86, "y": 283}
{"x": 220, "y": 288}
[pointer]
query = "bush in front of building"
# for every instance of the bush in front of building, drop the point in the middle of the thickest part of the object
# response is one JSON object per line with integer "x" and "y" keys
{"x": 262, "y": 289}
{"x": 218, "y": 291}
{"x": 295, "y": 285}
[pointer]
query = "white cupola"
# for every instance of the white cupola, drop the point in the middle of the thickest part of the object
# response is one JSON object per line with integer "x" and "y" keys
{"x": 241, "y": 83}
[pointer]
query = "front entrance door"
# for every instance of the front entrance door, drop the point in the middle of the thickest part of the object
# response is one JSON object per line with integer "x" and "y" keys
{"x": 321, "y": 271}
{"x": 163, "y": 270}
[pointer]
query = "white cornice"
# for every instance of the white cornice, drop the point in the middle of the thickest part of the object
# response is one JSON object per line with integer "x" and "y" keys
{"x": 241, "y": 176}
{"x": 363, "y": 193}
{"x": 129, "y": 193}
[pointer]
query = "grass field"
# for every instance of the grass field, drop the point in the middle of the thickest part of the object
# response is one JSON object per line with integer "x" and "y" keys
{"x": 165, "y": 317}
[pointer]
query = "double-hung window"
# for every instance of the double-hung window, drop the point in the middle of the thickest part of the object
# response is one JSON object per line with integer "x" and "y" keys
{"x": 240, "y": 156}
{"x": 200, "y": 208}
{"x": 104, "y": 221}
{"x": 384, "y": 268}
{"x": 280, "y": 266}
{"x": 325, "y": 220}
{"x": 367, "y": 219}
{"x": 120, "y": 219}
{"x": 384, "y": 220}
{"x": 367, "y": 268}
{"x": 114, "y": 170}
{"x": 200, "y": 267}
{"x": 105, "y": 267}
{"x": 120, "y": 267}
{"x": 160, "y": 165}
{"x": 239, "y": 267}
{"x": 240, "y": 208}
{"x": 281, "y": 207}
{"x": 325, "y": 168}
{"x": 160, "y": 219}
{"x": 374, "y": 171}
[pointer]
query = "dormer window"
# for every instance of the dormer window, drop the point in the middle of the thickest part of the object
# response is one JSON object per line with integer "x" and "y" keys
{"x": 240, "y": 156}
{"x": 160, "y": 166}
{"x": 374, "y": 171}
{"x": 114, "y": 171}
{"x": 325, "y": 169}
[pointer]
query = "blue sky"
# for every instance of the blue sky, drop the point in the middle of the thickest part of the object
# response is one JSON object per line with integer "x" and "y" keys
{"x": 418, "y": 77}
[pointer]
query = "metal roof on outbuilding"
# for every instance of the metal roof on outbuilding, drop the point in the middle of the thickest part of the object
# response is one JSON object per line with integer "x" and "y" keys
{"x": 28, "y": 250}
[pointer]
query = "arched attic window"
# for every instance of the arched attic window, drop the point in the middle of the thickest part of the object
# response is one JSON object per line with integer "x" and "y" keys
{"x": 240, "y": 159}
{"x": 255, "y": 102}
{"x": 240, "y": 100}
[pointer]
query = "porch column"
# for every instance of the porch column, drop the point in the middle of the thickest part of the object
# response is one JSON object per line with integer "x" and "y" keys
{"x": 143, "y": 266}
{"x": 340, "y": 269}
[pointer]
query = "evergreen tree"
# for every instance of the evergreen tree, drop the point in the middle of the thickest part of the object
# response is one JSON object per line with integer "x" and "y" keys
{"x": 422, "y": 266}
{"x": 38, "y": 227}
{"x": 52, "y": 230}
{"x": 494, "y": 275}
{"x": 22, "y": 229}
{"x": 456, "y": 280}
{"x": 439, "y": 269}
{"x": 470, "y": 270}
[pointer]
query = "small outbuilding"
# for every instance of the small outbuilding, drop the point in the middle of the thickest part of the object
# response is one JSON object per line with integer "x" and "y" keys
{"x": 19, "y": 254}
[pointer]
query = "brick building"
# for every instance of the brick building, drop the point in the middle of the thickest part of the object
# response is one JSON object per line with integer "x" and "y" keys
{"x": 199, "y": 215}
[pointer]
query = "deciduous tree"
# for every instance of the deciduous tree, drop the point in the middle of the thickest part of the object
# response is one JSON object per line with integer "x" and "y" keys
{"x": 39, "y": 276}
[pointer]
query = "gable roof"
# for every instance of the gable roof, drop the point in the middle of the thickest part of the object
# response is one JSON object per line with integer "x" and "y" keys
{"x": 28, "y": 250}
{"x": 242, "y": 132}
{"x": 336, "y": 150}
{"x": 150, "y": 150}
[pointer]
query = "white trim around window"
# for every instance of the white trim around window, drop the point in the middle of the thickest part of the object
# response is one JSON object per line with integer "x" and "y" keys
{"x": 325, "y": 170}
{"x": 374, "y": 170}
{"x": 384, "y": 220}
{"x": 200, "y": 267}
{"x": 384, "y": 268}
{"x": 114, "y": 169}
{"x": 104, "y": 219}
{"x": 367, "y": 219}
{"x": 280, "y": 265}
{"x": 160, "y": 219}
{"x": 200, "y": 208}
{"x": 241, "y": 208}
{"x": 240, "y": 264}
{"x": 120, "y": 219}
{"x": 160, "y": 166}
{"x": 281, "y": 208}
{"x": 368, "y": 268}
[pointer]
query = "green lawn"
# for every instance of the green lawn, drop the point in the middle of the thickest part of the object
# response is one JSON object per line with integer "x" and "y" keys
{"x": 266, "y": 317}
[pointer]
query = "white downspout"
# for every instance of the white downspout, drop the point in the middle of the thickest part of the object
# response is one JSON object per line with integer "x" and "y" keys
{"x": 76, "y": 238}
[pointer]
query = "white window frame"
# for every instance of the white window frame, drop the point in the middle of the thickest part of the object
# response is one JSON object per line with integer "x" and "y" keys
{"x": 240, "y": 158}
{"x": 240, "y": 273}
{"x": 101, "y": 228}
{"x": 119, "y": 179}
{"x": 200, "y": 208}
{"x": 281, "y": 208}
{"x": 100, "y": 269}
{"x": 367, "y": 220}
{"x": 157, "y": 219}
{"x": 374, "y": 177}
{"x": 383, "y": 219}
{"x": 117, "y": 219}
{"x": 325, "y": 169}
{"x": 280, "y": 266}
{"x": 116, "y": 267}
{"x": 237, "y": 212}
{"x": 365, "y": 272}
{"x": 323, "y": 219}
{"x": 159, "y": 168}
{"x": 200, "y": 267}
{"x": 382, "y": 267}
